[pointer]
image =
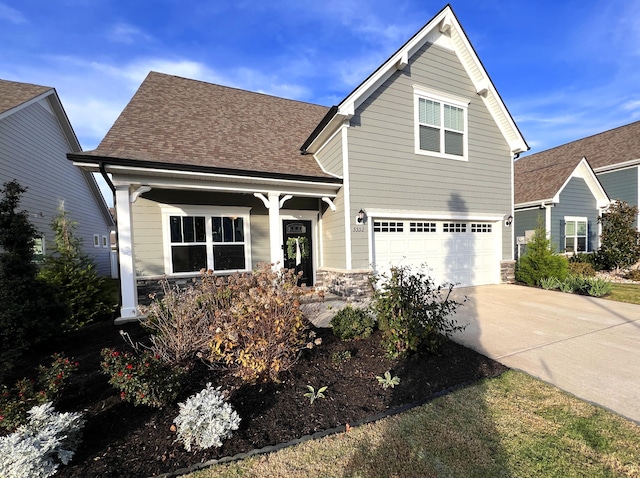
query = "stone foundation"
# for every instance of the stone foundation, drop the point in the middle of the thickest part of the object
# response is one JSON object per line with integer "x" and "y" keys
{"x": 351, "y": 285}
{"x": 508, "y": 272}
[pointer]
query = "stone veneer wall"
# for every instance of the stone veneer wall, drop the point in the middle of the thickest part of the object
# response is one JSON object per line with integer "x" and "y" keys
{"x": 507, "y": 272}
{"x": 352, "y": 285}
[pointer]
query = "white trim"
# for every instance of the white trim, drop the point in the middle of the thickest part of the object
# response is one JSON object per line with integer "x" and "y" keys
{"x": 105, "y": 241}
{"x": 126, "y": 254}
{"x": 614, "y": 167}
{"x": 584, "y": 171}
{"x": 293, "y": 214}
{"x": 96, "y": 240}
{"x": 576, "y": 219}
{"x": 347, "y": 196}
{"x": 547, "y": 220}
{"x": 208, "y": 212}
{"x": 438, "y": 216}
{"x": 422, "y": 92}
{"x": 26, "y": 104}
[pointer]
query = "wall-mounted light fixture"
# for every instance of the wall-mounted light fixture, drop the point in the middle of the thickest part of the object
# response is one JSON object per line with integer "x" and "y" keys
{"x": 360, "y": 217}
{"x": 508, "y": 221}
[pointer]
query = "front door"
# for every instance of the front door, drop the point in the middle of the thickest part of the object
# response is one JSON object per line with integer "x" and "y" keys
{"x": 298, "y": 248}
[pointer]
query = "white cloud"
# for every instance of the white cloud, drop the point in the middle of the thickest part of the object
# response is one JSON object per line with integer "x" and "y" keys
{"x": 11, "y": 15}
{"x": 126, "y": 33}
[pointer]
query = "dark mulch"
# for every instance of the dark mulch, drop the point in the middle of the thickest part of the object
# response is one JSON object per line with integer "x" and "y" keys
{"x": 121, "y": 440}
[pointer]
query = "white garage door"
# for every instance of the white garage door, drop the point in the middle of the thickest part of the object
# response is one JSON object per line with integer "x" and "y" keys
{"x": 462, "y": 252}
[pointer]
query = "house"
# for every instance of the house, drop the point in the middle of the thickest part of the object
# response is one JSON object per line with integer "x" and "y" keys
{"x": 415, "y": 165}
{"x": 561, "y": 194}
{"x": 35, "y": 137}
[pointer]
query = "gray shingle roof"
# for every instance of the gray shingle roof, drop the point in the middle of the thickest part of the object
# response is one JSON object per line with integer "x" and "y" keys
{"x": 539, "y": 176}
{"x": 13, "y": 94}
{"x": 192, "y": 123}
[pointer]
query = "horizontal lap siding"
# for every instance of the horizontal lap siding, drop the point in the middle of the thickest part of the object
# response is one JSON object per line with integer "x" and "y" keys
{"x": 330, "y": 157}
{"x": 386, "y": 173}
{"x": 527, "y": 220}
{"x": 333, "y": 235}
{"x": 147, "y": 238}
{"x": 575, "y": 200}
{"x": 621, "y": 185}
{"x": 33, "y": 151}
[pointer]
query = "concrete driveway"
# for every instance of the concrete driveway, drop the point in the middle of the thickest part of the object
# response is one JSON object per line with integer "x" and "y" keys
{"x": 586, "y": 346}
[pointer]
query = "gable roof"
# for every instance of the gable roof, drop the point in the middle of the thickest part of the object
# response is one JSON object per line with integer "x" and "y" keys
{"x": 444, "y": 23}
{"x": 14, "y": 94}
{"x": 178, "y": 123}
{"x": 610, "y": 149}
{"x": 541, "y": 178}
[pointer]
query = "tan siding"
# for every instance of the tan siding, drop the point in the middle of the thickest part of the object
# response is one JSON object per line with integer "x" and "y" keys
{"x": 330, "y": 157}
{"x": 260, "y": 251}
{"x": 147, "y": 237}
{"x": 333, "y": 238}
{"x": 33, "y": 151}
{"x": 386, "y": 173}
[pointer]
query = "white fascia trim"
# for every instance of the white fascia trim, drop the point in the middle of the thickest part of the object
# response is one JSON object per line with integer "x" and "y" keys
{"x": 584, "y": 171}
{"x": 539, "y": 204}
{"x": 328, "y": 131}
{"x": 347, "y": 195}
{"x": 438, "y": 216}
{"x": 26, "y": 104}
{"x": 614, "y": 167}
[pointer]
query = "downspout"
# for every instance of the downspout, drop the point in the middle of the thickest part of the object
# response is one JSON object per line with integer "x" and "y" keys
{"x": 107, "y": 179}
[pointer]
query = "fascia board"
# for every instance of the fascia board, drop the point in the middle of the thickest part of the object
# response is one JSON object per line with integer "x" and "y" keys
{"x": 540, "y": 203}
{"x": 613, "y": 167}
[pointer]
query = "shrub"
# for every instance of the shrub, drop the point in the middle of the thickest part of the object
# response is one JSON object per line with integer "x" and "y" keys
{"x": 181, "y": 323}
{"x": 261, "y": 334}
{"x": 15, "y": 402}
{"x": 584, "y": 269}
{"x": 539, "y": 261}
{"x": 73, "y": 275}
{"x": 620, "y": 239}
{"x": 205, "y": 419}
{"x": 38, "y": 448}
{"x": 29, "y": 313}
{"x": 550, "y": 283}
{"x": 412, "y": 311}
{"x": 142, "y": 378}
{"x": 598, "y": 287}
{"x": 352, "y": 322}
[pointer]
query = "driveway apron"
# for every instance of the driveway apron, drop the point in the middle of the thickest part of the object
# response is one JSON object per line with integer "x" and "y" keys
{"x": 586, "y": 346}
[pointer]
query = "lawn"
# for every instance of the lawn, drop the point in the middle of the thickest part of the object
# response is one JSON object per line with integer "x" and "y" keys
{"x": 511, "y": 426}
{"x": 625, "y": 293}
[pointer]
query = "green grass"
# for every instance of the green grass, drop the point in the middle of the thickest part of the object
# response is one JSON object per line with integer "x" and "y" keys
{"x": 625, "y": 293}
{"x": 511, "y": 426}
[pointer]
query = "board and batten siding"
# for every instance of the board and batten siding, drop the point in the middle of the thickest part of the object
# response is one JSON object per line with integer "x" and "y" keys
{"x": 576, "y": 200}
{"x": 33, "y": 151}
{"x": 386, "y": 173}
{"x": 622, "y": 185}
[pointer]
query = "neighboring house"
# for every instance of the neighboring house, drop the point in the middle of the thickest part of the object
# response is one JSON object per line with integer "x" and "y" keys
{"x": 561, "y": 194}
{"x": 415, "y": 165}
{"x": 35, "y": 137}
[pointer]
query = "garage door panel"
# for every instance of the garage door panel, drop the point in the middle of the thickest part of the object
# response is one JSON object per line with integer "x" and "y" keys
{"x": 455, "y": 251}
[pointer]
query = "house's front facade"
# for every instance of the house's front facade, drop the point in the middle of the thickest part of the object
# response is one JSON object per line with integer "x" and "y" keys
{"x": 562, "y": 195}
{"x": 414, "y": 166}
{"x": 35, "y": 137}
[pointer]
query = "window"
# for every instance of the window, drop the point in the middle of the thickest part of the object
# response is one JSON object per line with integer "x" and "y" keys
{"x": 441, "y": 124}
{"x": 454, "y": 227}
{"x": 575, "y": 234}
{"x": 422, "y": 227}
{"x": 105, "y": 242}
{"x": 480, "y": 227}
{"x": 388, "y": 226}
{"x": 96, "y": 240}
{"x": 39, "y": 249}
{"x": 216, "y": 241}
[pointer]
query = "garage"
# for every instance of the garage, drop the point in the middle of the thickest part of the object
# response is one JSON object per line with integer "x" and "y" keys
{"x": 462, "y": 252}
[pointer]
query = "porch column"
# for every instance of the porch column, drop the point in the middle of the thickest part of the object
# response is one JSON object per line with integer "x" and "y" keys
{"x": 272, "y": 203}
{"x": 128, "y": 285}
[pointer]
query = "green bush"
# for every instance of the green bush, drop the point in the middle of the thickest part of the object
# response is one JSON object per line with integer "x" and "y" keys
{"x": 15, "y": 402}
{"x": 72, "y": 274}
{"x": 142, "y": 378}
{"x": 352, "y": 322}
{"x": 584, "y": 269}
{"x": 413, "y": 313}
{"x": 29, "y": 311}
{"x": 598, "y": 287}
{"x": 540, "y": 262}
{"x": 620, "y": 239}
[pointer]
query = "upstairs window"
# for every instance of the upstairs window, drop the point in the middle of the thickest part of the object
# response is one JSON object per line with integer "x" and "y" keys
{"x": 441, "y": 125}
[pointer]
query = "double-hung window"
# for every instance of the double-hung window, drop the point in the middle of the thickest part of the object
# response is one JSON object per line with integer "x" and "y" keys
{"x": 200, "y": 238}
{"x": 441, "y": 124}
{"x": 575, "y": 234}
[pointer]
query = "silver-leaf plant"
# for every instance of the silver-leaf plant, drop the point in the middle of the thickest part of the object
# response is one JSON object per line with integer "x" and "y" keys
{"x": 37, "y": 448}
{"x": 205, "y": 419}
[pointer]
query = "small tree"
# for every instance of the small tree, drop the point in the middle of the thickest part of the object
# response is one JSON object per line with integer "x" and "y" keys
{"x": 540, "y": 261}
{"x": 28, "y": 312}
{"x": 620, "y": 240}
{"x": 73, "y": 274}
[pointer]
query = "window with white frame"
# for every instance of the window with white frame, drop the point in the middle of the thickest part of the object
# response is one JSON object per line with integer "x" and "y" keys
{"x": 441, "y": 124}
{"x": 217, "y": 241}
{"x": 575, "y": 234}
{"x": 96, "y": 240}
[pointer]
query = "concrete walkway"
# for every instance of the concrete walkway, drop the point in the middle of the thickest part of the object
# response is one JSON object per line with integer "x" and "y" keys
{"x": 586, "y": 346}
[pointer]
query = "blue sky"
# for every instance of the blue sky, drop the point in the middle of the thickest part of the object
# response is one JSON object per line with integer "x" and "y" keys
{"x": 565, "y": 69}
